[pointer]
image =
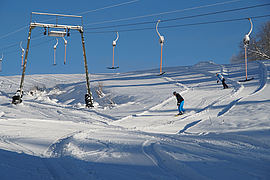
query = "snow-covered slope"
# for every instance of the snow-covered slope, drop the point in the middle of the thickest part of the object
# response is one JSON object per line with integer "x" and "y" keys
{"x": 132, "y": 132}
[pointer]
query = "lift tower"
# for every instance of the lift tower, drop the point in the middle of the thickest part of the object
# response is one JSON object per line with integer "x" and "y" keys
{"x": 55, "y": 30}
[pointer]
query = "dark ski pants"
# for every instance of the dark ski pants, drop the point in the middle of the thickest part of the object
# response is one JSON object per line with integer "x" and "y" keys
{"x": 224, "y": 84}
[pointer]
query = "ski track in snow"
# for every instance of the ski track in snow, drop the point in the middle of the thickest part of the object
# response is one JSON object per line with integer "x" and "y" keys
{"x": 263, "y": 77}
{"x": 231, "y": 98}
{"x": 15, "y": 146}
{"x": 144, "y": 147}
{"x": 235, "y": 95}
{"x": 183, "y": 155}
{"x": 261, "y": 85}
{"x": 56, "y": 148}
{"x": 237, "y": 89}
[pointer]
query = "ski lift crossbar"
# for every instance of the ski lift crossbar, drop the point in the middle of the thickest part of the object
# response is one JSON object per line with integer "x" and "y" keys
{"x": 55, "y": 26}
{"x": 51, "y": 14}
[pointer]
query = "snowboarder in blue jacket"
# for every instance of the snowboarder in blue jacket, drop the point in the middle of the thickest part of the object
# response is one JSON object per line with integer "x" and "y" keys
{"x": 180, "y": 102}
{"x": 222, "y": 79}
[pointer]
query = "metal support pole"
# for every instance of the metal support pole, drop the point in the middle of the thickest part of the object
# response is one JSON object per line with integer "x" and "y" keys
{"x": 25, "y": 59}
{"x": 161, "y": 45}
{"x": 246, "y": 60}
{"x": 113, "y": 57}
{"x": 86, "y": 71}
{"x": 22, "y": 61}
{"x": 65, "y": 59}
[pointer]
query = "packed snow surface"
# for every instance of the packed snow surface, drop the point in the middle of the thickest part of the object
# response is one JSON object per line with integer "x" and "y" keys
{"x": 132, "y": 132}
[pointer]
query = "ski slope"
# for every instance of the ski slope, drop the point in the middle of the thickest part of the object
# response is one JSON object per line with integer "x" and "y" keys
{"x": 132, "y": 132}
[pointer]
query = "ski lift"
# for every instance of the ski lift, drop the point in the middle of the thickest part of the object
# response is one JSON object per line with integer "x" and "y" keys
{"x": 65, "y": 41}
{"x": 1, "y": 59}
{"x": 246, "y": 43}
{"x": 17, "y": 98}
{"x": 22, "y": 53}
{"x": 114, "y": 44}
{"x": 161, "y": 41}
{"x": 54, "y": 48}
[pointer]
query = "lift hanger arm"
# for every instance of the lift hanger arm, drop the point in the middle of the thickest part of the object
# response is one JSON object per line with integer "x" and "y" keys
{"x": 21, "y": 47}
{"x": 114, "y": 42}
{"x": 161, "y": 38}
{"x": 117, "y": 37}
{"x": 251, "y": 26}
{"x": 65, "y": 41}
{"x": 157, "y": 28}
{"x": 55, "y": 44}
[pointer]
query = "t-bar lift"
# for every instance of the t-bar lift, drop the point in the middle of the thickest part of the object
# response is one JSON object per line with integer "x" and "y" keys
{"x": 114, "y": 44}
{"x": 161, "y": 41}
{"x": 246, "y": 43}
{"x": 53, "y": 30}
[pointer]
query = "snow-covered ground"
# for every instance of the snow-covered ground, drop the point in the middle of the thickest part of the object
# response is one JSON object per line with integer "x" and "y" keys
{"x": 132, "y": 132}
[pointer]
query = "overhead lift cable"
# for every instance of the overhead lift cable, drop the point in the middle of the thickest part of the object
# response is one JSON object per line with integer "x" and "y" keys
{"x": 16, "y": 44}
{"x": 181, "y": 18}
{"x": 163, "y": 13}
{"x": 181, "y": 25}
{"x": 108, "y": 7}
{"x": 89, "y": 11}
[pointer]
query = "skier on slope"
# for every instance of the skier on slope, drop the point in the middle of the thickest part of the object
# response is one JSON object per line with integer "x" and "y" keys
{"x": 180, "y": 103}
{"x": 222, "y": 79}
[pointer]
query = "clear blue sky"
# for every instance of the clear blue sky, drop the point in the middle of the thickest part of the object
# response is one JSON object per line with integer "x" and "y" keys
{"x": 135, "y": 50}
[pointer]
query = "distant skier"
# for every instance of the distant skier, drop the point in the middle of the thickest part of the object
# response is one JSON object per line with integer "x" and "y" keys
{"x": 180, "y": 103}
{"x": 222, "y": 79}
